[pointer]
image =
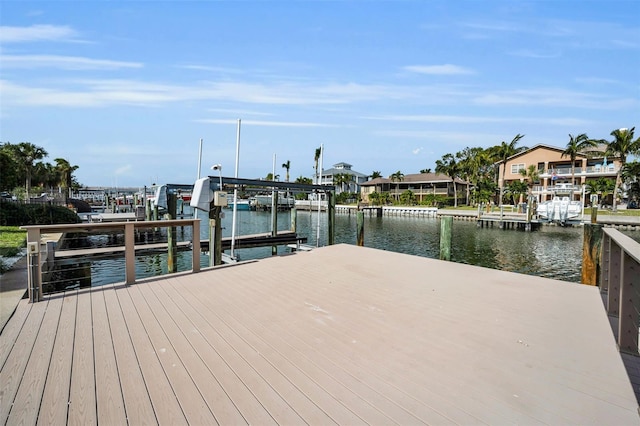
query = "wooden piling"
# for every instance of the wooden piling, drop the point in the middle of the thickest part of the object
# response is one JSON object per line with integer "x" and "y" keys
{"x": 591, "y": 244}
{"x": 294, "y": 219}
{"x": 445, "y": 237}
{"x": 360, "y": 228}
{"x": 594, "y": 214}
{"x": 331, "y": 213}
{"x": 172, "y": 252}
{"x": 215, "y": 235}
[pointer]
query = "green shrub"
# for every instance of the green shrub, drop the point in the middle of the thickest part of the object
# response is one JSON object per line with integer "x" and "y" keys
{"x": 18, "y": 214}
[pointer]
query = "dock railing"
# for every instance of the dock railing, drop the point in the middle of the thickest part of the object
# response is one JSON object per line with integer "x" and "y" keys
{"x": 34, "y": 244}
{"x": 620, "y": 281}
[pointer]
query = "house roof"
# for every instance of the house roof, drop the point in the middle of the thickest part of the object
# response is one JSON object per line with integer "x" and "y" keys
{"x": 586, "y": 153}
{"x": 334, "y": 171}
{"x": 415, "y": 178}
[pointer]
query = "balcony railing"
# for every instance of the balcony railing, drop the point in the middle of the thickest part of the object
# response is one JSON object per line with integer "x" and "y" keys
{"x": 566, "y": 171}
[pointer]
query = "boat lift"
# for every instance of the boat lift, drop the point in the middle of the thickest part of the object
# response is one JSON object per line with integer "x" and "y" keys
{"x": 209, "y": 194}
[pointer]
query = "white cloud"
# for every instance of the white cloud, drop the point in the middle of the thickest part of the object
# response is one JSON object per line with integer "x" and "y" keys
{"x": 63, "y": 62}
{"x": 263, "y": 123}
{"x": 446, "y": 69}
{"x": 37, "y": 33}
{"x": 417, "y": 151}
{"x": 123, "y": 170}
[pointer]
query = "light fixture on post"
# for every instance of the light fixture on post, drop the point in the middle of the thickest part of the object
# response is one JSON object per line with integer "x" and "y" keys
{"x": 218, "y": 167}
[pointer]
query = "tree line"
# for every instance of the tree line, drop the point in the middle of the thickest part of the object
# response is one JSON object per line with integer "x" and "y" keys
{"x": 480, "y": 167}
{"x": 23, "y": 171}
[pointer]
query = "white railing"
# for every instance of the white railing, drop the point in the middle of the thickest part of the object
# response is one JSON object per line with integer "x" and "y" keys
{"x": 34, "y": 236}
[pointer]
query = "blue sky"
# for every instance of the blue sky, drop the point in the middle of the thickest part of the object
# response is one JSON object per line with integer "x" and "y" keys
{"x": 125, "y": 90}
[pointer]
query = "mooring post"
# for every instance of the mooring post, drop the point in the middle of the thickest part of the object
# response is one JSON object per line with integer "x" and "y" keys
{"x": 147, "y": 210}
{"x": 130, "y": 253}
{"x": 172, "y": 248}
{"x": 274, "y": 220}
{"x": 215, "y": 235}
{"x": 591, "y": 243}
{"x": 294, "y": 219}
{"x": 360, "y": 228}
{"x": 594, "y": 213}
{"x": 446, "y": 223}
{"x": 331, "y": 205}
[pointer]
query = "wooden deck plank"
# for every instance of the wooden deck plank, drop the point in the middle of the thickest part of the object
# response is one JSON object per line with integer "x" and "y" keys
{"x": 309, "y": 349}
{"x": 14, "y": 367}
{"x": 165, "y": 405}
{"x": 29, "y": 395}
{"x": 194, "y": 407}
{"x": 177, "y": 326}
{"x": 54, "y": 406}
{"x": 137, "y": 402}
{"x": 380, "y": 375}
{"x": 12, "y": 329}
{"x": 273, "y": 404}
{"x": 82, "y": 394}
{"x": 288, "y": 390}
{"x": 110, "y": 404}
{"x": 209, "y": 351}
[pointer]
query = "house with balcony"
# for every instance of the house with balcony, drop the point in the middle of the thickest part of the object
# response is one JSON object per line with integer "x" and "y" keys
{"x": 555, "y": 169}
{"x": 421, "y": 184}
{"x": 351, "y": 184}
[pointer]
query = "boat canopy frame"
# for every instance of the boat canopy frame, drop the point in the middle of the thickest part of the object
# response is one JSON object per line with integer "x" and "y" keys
{"x": 260, "y": 185}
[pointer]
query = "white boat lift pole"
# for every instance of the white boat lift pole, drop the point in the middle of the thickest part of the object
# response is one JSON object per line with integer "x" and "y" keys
{"x": 319, "y": 195}
{"x": 235, "y": 194}
{"x": 195, "y": 211}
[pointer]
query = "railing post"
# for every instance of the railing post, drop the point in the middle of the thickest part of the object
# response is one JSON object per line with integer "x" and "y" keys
{"x": 34, "y": 272}
{"x": 629, "y": 305}
{"x": 613, "y": 299}
{"x": 606, "y": 259}
{"x": 195, "y": 232}
{"x": 130, "y": 252}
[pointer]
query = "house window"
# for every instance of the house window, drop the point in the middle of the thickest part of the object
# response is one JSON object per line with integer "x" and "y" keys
{"x": 515, "y": 168}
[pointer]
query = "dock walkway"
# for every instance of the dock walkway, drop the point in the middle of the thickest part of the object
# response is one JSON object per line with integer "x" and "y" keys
{"x": 362, "y": 338}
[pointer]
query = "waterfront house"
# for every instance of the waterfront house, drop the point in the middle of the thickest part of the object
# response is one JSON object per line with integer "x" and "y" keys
{"x": 421, "y": 184}
{"x": 554, "y": 168}
{"x": 356, "y": 179}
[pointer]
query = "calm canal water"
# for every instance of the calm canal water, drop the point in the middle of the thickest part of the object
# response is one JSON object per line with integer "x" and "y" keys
{"x": 552, "y": 252}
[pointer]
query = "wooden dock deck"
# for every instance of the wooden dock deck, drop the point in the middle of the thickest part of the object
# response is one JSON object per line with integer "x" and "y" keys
{"x": 338, "y": 335}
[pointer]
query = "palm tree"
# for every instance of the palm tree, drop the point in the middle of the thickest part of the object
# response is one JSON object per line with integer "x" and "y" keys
{"x": 375, "y": 174}
{"x": 601, "y": 186}
{"x": 287, "y": 166}
{"x": 65, "y": 170}
{"x": 576, "y": 146}
{"x": 270, "y": 176}
{"x": 397, "y": 177}
{"x": 425, "y": 171}
{"x": 340, "y": 179}
{"x": 316, "y": 158}
{"x": 620, "y": 147}
{"x": 503, "y": 152}
{"x": 26, "y": 154}
{"x": 532, "y": 176}
{"x": 516, "y": 189}
{"x": 631, "y": 174}
{"x": 449, "y": 166}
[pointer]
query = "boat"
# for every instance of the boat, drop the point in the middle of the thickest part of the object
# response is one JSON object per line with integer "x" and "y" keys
{"x": 263, "y": 202}
{"x": 243, "y": 204}
{"x": 561, "y": 208}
